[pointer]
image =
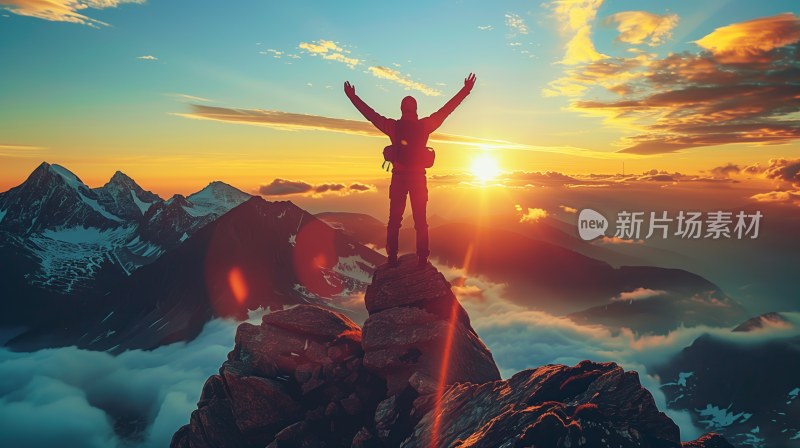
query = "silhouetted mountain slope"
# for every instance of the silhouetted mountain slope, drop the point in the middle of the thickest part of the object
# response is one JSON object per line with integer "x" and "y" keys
{"x": 545, "y": 276}
{"x": 661, "y": 312}
{"x": 541, "y": 270}
{"x": 260, "y": 254}
{"x": 123, "y": 197}
{"x": 416, "y": 376}
{"x": 745, "y": 387}
{"x": 766, "y": 320}
{"x": 362, "y": 227}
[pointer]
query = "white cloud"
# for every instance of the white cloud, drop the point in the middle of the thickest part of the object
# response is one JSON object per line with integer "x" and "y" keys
{"x": 637, "y": 294}
{"x": 576, "y": 18}
{"x": 330, "y": 50}
{"x": 70, "y": 397}
{"x": 515, "y": 23}
{"x": 404, "y": 80}
{"x": 638, "y": 27}
{"x": 148, "y": 57}
{"x": 532, "y": 215}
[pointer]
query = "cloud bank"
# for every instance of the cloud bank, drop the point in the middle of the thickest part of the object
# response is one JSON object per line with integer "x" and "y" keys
{"x": 284, "y": 187}
{"x": 73, "y": 397}
{"x": 738, "y": 87}
{"x": 520, "y": 338}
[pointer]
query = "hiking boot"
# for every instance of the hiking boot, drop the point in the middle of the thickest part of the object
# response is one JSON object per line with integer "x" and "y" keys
{"x": 422, "y": 261}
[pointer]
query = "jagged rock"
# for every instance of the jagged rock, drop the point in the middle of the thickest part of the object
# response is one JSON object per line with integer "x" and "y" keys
{"x": 413, "y": 316}
{"x": 591, "y": 404}
{"x": 302, "y": 379}
{"x": 710, "y": 440}
{"x": 295, "y": 380}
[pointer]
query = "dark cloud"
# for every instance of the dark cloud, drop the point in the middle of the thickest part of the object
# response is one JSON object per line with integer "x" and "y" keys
{"x": 322, "y": 188}
{"x": 283, "y": 187}
{"x": 784, "y": 170}
{"x": 361, "y": 187}
{"x": 725, "y": 171}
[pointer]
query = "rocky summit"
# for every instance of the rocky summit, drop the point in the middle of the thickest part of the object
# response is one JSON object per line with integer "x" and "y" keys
{"x": 416, "y": 375}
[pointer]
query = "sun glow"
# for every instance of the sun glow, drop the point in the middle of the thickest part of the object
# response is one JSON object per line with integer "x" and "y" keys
{"x": 485, "y": 168}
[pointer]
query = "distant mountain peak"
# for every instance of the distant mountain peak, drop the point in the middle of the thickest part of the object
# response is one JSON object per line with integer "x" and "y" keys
{"x": 121, "y": 178}
{"x": 46, "y": 173}
{"x": 766, "y": 320}
{"x": 179, "y": 199}
{"x": 71, "y": 178}
{"x": 217, "y": 198}
{"x": 219, "y": 186}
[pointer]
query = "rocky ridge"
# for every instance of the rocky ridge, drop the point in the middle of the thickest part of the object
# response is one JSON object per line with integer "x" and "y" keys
{"x": 416, "y": 375}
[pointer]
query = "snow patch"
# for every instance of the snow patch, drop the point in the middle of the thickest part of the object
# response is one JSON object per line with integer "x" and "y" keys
{"x": 792, "y": 395}
{"x": 354, "y": 267}
{"x": 720, "y": 418}
{"x": 94, "y": 205}
{"x": 217, "y": 198}
{"x": 71, "y": 257}
{"x": 83, "y": 235}
{"x": 682, "y": 377}
{"x": 71, "y": 179}
{"x": 2, "y": 214}
{"x": 143, "y": 206}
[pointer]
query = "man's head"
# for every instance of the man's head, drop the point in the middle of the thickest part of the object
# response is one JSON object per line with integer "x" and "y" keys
{"x": 408, "y": 105}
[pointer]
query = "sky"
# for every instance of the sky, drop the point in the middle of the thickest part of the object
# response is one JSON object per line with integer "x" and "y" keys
{"x": 179, "y": 93}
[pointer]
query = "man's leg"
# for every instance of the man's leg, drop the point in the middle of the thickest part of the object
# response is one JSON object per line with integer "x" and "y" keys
{"x": 418, "y": 191}
{"x": 397, "y": 206}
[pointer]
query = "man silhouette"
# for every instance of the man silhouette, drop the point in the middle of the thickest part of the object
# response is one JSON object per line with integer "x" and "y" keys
{"x": 408, "y": 180}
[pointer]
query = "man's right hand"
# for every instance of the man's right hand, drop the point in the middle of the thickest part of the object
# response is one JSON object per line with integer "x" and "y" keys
{"x": 469, "y": 82}
{"x": 349, "y": 89}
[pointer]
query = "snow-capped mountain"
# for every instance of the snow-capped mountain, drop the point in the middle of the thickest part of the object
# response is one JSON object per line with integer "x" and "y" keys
{"x": 73, "y": 232}
{"x": 178, "y": 217}
{"x": 744, "y": 386}
{"x": 260, "y": 254}
{"x": 53, "y": 198}
{"x": 123, "y": 197}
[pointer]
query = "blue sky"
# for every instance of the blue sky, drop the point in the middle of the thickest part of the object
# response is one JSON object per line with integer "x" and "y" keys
{"x": 88, "y": 94}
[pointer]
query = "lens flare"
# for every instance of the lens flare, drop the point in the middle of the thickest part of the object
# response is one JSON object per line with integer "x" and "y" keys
{"x": 443, "y": 373}
{"x": 237, "y": 284}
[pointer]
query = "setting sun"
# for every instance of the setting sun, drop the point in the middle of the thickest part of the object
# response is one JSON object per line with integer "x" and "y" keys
{"x": 485, "y": 167}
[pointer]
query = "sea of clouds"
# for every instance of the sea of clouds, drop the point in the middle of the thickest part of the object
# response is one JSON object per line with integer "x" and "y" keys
{"x": 73, "y": 397}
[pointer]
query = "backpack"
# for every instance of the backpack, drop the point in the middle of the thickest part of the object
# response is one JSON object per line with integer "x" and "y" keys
{"x": 409, "y": 150}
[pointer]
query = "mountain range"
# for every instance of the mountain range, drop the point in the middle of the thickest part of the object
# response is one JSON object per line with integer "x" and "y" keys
{"x": 117, "y": 267}
{"x": 72, "y": 232}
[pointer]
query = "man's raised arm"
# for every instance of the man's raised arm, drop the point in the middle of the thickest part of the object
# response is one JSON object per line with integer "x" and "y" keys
{"x": 437, "y": 118}
{"x": 382, "y": 123}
